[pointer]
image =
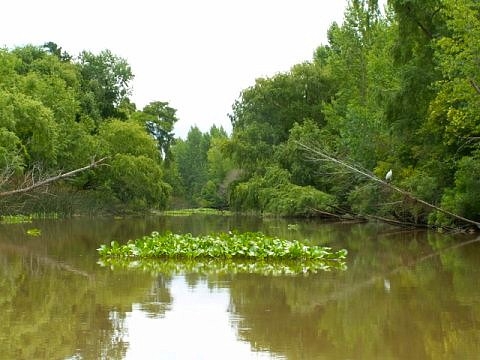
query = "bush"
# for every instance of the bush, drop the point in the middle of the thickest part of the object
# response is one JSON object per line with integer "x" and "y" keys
{"x": 274, "y": 193}
{"x": 463, "y": 199}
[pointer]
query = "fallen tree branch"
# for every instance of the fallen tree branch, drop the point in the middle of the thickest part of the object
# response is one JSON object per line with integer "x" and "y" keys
{"x": 396, "y": 222}
{"x": 385, "y": 183}
{"x": 49, "y": 180}
{"x": 475, "y": 86}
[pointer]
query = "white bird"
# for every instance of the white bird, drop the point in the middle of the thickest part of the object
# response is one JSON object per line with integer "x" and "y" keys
{"x": 388, "y": 177}
{"x": 386, "y": 285}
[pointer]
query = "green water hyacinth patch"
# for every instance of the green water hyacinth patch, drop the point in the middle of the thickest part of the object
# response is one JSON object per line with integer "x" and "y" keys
{"x": 254, "y": 249}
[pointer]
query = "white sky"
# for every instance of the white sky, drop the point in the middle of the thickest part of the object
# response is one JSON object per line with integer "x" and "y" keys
{"x": 196, "y": 54}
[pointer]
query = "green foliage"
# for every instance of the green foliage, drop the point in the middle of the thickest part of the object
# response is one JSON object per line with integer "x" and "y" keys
{"x": 274, "y": 193}
{"x": 57, "y": 114}
{"x": 293, "y": 158}
{"x": 201, "y": 211}
{"x": 202, "y": 167}
{"x": 463, "y": 198}
{"x": 16, "y": 219}
{"x": 265, "y": 113}
{"x": 422, "y": 185}
{"x": 399, "y": 90}
{"x": 294, "y": 200}
{"x": 418, "y": 24}
{"x": 137, "y": 181}
{"x": 105, "y": 83}
{"x": 135, "y": 176}
{"x": 126, "y": 137}
{"x": 365, "y": 199}
{"x": 403, "y": 93}
{"x": 28, "y": 124}
{"x": 159, "y": 119}
{"x": 191, "y": 161}
{"x": 34, "y": 232}
{"x": 230, "y": 246}
{"x": 453, "y": 117}
{"x": 11, "y": 154}
{"x": 360, "y": 64}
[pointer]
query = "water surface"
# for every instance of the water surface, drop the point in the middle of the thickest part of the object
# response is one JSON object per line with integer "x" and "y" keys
{"x": 405, "y": 295}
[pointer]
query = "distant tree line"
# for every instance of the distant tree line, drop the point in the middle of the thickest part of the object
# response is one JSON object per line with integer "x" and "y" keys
{"x": 395, "y": 88}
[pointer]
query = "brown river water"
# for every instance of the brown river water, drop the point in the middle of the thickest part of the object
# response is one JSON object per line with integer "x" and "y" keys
{"x": 405, "y": 295}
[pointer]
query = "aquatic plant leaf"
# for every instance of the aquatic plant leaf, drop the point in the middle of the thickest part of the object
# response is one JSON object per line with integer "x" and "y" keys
{"x": 257, "y": 249}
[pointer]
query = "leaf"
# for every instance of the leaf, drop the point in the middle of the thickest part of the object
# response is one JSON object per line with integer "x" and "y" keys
{"x": 34, "y": 232}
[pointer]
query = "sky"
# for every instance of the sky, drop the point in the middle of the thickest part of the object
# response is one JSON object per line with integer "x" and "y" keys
{"x": 197, "y": 55}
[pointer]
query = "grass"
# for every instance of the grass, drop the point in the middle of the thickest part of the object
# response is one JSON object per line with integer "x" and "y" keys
{"x": 26, "y": 219}
{"x": 16, "y": 219}
{"x": 188, "y": 212}
{"x": 248, "y": 249}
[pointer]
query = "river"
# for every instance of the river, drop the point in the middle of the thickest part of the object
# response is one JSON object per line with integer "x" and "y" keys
{"x": 405, "y": 295}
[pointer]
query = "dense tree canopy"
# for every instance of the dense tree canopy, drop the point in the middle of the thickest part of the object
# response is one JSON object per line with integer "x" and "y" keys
{"x": 398, "y": 89}
{"x": 395, "y": 88}
{"x": 57, "y": 113}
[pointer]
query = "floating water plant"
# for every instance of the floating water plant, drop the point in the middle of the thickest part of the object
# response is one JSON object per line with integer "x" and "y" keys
{"x": 249, "y": 250}
{"x": 202, "y": 211}
{"x": 34, "y": 232}
{"x": 16, "y": 219}
{"x": 26, "y": 219}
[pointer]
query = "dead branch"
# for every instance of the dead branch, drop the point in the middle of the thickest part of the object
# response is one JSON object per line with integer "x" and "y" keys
{"x": 52, "y": 179}
{"x": 475, "y": 86}
{"x": 325, "y": 213}
{"x": 372, "y": 177}
{"x": 396, "y": 222}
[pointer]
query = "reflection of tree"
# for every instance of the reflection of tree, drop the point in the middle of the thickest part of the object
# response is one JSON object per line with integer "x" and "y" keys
{"x": 158, "y": 300}
{"x": 48, "y": 313}
{"x": 265, "y": 318}
{"x": 37, "y": 295}
{"x": 396, "y": 301}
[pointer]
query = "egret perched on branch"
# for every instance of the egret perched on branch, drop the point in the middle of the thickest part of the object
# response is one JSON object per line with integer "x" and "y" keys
{"x": 388, "y": 177}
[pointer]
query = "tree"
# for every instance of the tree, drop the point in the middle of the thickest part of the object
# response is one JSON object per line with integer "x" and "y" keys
{"x": 274, "y": 193}
{"x": 159, "y": 119}
{"x": 453, "y": 116}
{"x": 134, "y": 178}
{"x": 192, "y": 163}
{"x": 220, "y": 170}
{"x": 137, "y": 182}
{"x": 105, "y": 83}
{"x": 56, "y": 50}
{"x": 57, "y": 114}
{"x": 127, "y": 137}
{"x": 265, "y": 113}
{"x": 358, "y": 61}
{"x": 418, "y": 23}
{"x": 34, "y": 125}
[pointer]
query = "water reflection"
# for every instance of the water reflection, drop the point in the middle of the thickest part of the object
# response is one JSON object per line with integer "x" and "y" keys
{"x": 197, "y": 326}
{"x": 405, "y": 295}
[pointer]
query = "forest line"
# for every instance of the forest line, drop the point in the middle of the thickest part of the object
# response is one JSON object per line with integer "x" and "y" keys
{"x": 392, "y": 89}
